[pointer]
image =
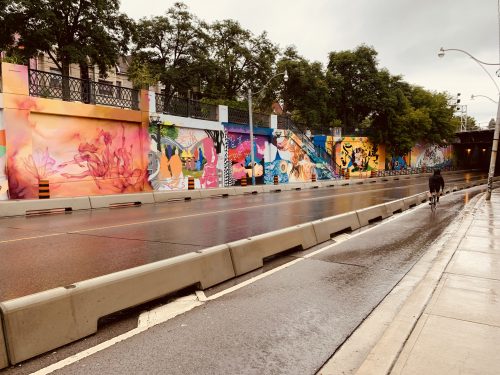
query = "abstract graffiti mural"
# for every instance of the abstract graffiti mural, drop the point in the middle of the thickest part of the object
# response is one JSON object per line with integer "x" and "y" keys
{"x": 425, "y": 155}
{"x": 358, "y": 154}
{"x": 289, "y": 160}
{"x": 185, "y": 153}
{"x": 238, "y": 139}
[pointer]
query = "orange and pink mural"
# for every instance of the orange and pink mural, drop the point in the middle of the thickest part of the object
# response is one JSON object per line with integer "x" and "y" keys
{"x": 81, "y": 149}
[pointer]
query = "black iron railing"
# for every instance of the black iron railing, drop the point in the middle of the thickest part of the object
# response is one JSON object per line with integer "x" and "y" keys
{"x": 237, "y": 116}
{"x": 240, "y": 116}
{"x": 57, "y": 86}
{"x": 186, "y": 107}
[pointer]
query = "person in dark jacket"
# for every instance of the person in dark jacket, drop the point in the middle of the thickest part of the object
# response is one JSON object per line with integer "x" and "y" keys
{"x": 436, "y": 183}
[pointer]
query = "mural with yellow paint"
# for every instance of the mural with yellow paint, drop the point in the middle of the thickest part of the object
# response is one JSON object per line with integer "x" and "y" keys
{"x": 358, "y": 154}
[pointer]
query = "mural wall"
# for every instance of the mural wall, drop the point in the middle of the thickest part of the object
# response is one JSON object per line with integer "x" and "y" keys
{"x": 238, "y": 152}
{"x": 81, "y": 149}
{"x": 4, "y": 185}
{"x": 187, "y": 152}
{"x": 358, "y": 154}
{"x": 425, "y": 155}
{"x": 78, "y": 156}
{"x": 289, "y": 161}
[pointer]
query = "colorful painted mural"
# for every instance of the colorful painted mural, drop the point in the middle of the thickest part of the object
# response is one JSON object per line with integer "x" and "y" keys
{"x": 358, "y": 154}
{"x": 289, "y": 161}
{"x": 185, "y": 153}
{"x": 238, "y": 146}
{"x": 77, "y": 156}
{"x": 425, "y": 155}
{"x": 397, "y": 163}
{"x": 81, "y": 149}
{"x": 4, "y": 185}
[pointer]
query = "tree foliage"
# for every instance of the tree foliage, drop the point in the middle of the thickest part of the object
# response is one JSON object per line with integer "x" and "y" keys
{"x": 306, "y": 94}
{"x": 237, "y": 60}
{"x": 69, "y": 31}
{"x": 169, "y": 45}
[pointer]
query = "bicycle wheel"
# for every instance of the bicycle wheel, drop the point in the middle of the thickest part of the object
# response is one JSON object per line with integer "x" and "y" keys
{"x": 433, "y": 203}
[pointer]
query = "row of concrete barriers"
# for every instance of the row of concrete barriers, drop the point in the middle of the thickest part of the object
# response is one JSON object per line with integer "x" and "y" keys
{"x": 26, "y": 206}
{"x": 41, "y": 322}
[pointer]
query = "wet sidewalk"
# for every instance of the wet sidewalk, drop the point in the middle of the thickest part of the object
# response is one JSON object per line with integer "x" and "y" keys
{"x": 450, "y": 324}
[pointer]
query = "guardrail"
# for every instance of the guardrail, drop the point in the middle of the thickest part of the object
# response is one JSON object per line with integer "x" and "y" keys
{"x": 186, "y": 107}
{"x": 56, "y": 86}
{"x": 240, "y": 116}
{"x": 44, "y": 321}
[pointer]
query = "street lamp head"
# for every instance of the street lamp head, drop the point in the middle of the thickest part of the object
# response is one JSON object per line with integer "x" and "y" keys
{"x": 285, "y": 77}
{"x": 441, "y": 52}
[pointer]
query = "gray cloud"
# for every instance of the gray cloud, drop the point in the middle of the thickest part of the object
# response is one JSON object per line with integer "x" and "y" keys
{"x": 406, "y": 33}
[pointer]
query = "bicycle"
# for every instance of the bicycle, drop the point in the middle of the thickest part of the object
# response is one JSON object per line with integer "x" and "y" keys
{"x": 433, "y": 201}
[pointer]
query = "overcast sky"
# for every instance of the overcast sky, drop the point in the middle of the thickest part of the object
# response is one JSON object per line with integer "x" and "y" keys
{"x": 407, "y": 35}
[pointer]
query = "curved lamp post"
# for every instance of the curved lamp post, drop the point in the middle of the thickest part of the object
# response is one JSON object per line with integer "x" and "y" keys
{"x": 250, "y": 118}
{"x": 494, "y": 147}
{"x": 483, "y": 96}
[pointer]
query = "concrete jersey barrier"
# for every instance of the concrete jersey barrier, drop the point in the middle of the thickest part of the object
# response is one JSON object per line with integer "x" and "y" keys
{"x": 165, "y": 196}
{"x": 4, "y": 361}
{"x": 21, "y": 206}
{"x": 44, "y": 321}
{"x": 325, "y": 228}
{"x": 368, "y": 214}
{"x": 104, "y": 201}
{"x": 248, "y": 254}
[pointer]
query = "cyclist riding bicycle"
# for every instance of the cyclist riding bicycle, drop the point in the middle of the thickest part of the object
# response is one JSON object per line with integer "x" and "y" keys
{"x": 436, "y": 183}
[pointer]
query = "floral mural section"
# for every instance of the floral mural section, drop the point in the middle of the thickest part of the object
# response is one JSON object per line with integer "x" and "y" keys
{"x": 358, "y": 154}
{"x": 185, "y": 153}
{"x": 79, "y": 156}
{"x": 425, "y": 155}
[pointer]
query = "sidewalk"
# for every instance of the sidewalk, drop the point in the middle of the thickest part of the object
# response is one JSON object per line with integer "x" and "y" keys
{"x": 450, "y": 324}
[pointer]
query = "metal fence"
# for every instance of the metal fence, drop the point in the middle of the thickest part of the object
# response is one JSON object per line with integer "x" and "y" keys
{"x": 240, "y": 116}
{"x": 186, "y": 108}
{"x": 237, "y": 116}
{"x": 57, "y": 86}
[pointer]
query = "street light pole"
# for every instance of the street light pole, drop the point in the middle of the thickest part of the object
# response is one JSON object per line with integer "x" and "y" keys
{"x": 250, "y": 119}
{"x": 250, "y": 122}
{"x": 494, "y": 147}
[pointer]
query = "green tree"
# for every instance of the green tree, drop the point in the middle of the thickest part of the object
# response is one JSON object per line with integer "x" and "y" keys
{"x": 170, "y": 45}
{"x": 353, "y": 81}
{"x": 237, "y": 60}
{"x": 70, "y": 31}
{"x": 306, "y": 94}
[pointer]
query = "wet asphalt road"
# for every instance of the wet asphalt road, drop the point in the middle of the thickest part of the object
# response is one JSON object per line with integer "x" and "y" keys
{"x": 42, "y": 252}
{"x": 292, "y": 321}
